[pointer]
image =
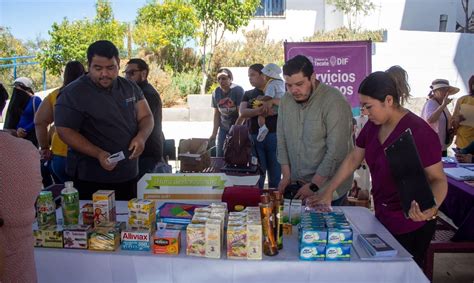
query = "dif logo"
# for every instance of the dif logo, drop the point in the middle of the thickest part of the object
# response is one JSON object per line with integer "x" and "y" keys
{"x": 335, "y": 61}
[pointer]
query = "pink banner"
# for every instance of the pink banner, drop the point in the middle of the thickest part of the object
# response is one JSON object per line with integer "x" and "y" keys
{"x": 340, "y": 64}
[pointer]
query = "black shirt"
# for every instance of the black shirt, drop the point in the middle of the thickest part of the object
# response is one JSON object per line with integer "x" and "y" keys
{"x": 105, "y": 117}
{"x": 154, "y": 143}
{"x": 270, "y": 121}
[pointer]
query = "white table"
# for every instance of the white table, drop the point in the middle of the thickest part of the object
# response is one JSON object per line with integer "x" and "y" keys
{"x": 65, "y": 265}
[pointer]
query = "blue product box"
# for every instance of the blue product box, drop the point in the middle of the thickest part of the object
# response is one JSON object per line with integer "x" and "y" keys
{"x": 338, "y": 252}
{"x": 312, "y": 252}
{"x": 339, "y": 236}
{"x": 313, "y": 236}
{"x": 136, "y": 240}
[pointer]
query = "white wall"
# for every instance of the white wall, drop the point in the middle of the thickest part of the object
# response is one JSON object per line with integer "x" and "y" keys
{"x": 427, "y": 56}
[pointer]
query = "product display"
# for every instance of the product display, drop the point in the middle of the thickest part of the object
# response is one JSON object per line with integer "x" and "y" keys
{"x": 70, "y": 204}
{"x": 167, "y": 242}
{"x": 75, "y": 236}
{"x": 46, "y": 209}
{"x": 103, "y": 202}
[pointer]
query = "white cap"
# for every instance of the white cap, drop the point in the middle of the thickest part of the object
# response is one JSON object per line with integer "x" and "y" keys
{"x": 24, "y": 81}
{"x": 272, "y": 70}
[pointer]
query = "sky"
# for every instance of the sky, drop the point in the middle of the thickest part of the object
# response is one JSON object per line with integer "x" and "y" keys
{"x": 30, "y": 19}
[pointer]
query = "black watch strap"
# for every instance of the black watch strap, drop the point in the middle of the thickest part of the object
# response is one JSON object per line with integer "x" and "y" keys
{"x": 314, "y": 187}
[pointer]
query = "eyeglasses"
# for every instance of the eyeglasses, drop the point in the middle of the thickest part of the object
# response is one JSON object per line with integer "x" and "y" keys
{"x": 131, "y": 72}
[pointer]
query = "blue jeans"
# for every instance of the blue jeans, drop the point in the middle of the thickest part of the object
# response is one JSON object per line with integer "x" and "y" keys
{"x": 221, "y": 134}
{"x": 58, "y": 166}
{"x": 266, "y": 152}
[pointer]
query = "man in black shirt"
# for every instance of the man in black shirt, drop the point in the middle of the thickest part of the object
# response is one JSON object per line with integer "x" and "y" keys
{"x": 98, "y": 115}
{"x": 137, "y": 71}
{"x": 265, "y": 150}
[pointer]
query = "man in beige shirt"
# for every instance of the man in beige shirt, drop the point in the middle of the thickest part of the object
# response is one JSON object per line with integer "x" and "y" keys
{"x": 313, "y": 132}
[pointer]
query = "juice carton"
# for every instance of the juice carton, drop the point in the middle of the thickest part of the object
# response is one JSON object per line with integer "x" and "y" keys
{"x": 236, "y": 241}
{"x": 196, "y": 240}
{"x": 76, "y": 236}
{"x": 295, "y": 211}
{"x": 167, "y": 242}
{"x": 104, "y": 206}
{"x": 213, "y": 237}
{"x": 254, "y": 240}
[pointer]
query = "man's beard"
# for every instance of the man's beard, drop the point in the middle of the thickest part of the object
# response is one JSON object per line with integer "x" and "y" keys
{"x": 306, "y": 100}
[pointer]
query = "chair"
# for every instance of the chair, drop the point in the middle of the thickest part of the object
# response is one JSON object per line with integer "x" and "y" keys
{"x": 442, "y": 243}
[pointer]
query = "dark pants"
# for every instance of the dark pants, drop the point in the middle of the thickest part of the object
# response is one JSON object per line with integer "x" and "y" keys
{"x": 418, "y": 241}
{"x": 123, "y": 191}
{"x": 266, "y": 152}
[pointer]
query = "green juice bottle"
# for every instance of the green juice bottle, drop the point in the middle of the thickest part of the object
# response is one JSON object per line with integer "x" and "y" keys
{"x": 70, "y": 204}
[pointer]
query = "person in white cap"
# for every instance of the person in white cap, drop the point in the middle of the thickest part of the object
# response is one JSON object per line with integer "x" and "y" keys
{"x": 274, "y": 91}
{"x": 436, "y": 113}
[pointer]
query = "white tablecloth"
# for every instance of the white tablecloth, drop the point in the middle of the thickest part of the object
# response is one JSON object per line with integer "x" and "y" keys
{"x": 64, "y": 265}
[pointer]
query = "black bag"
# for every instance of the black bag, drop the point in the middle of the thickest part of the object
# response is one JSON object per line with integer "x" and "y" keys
{"x": 238, "y": 146}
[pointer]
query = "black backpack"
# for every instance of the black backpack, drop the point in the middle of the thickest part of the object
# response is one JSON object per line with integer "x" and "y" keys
{"x": 238, "y": 146}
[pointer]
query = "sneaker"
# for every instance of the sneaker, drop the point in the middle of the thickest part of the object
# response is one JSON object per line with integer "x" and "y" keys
{"x": 262, "y": 133}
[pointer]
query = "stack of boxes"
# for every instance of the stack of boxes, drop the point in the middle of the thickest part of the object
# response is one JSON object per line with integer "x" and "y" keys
{"x": 325, "y": 236}
{"x": 106, "y": 233}
{"x": 141, "y": 225}
{"x": 244, "y": 234}
{"x": 205, "y": 233}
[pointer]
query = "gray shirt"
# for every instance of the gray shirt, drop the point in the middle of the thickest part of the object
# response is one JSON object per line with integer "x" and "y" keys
{"x": 107, "y": 119}
{"x": 228, "y": 105}
{"x": 315, "y": 137}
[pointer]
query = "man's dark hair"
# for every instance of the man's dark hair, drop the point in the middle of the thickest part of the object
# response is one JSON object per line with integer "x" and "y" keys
{"x": 257, "y": 68}
{"x": 297, "y": 64}
{"x": 103, "y": 48}
{"x": 142, "y": 65}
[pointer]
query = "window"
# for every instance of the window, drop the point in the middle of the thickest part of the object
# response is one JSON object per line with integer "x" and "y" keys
{"x": 271, "y": 8}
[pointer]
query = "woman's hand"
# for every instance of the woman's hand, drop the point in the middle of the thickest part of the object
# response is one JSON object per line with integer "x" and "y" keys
{"x": 464, "y": 158}
{"x": 417, "y": 215}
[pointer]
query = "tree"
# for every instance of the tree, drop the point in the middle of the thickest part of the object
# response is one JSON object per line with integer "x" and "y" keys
{"x": 70, "y": 40}
{"x": 468, "y": 20}
{"x": 217, "y": 17}
{"x": 166, "y": 28}
{"x": 352, "y": 9}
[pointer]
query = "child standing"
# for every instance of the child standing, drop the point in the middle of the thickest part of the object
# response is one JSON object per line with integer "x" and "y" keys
{"x": 274, "y": 91}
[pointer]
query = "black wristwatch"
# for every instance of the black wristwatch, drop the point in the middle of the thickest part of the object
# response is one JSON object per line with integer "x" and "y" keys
{"x": 313, "y": 187}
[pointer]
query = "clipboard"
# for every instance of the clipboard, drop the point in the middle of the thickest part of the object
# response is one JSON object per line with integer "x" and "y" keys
{"x": 408, "y": 173}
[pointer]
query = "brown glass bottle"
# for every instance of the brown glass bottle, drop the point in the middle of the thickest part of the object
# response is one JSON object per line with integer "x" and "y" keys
{"x": 278, "y": 212}
{"x": 270, "y": 246}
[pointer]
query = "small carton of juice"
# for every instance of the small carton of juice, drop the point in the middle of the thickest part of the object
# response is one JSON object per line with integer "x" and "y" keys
{"x": 213, "y": 238}
{"x": 167, "y": 242}
{"x": 237, "y": 242}
{"x": 104, "y": 206}
{"x": 76, "y": 236}
{"x": 254, "y": 240}
{"x": 196, "y": 240}
{"x": 136, "y": 240}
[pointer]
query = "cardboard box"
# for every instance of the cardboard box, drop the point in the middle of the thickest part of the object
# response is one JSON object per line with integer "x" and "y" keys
{"x": 76, "y": 236}
{"x": 312, "y": 252}
{"x": 136, "y": 240}
{"x": 196, "y": 240}
{"x": 167, "y": 242}
{"x": 104, "y": 206}
{"x": 49, "y": 236}
{"x": 338, "y": 252}
{"x": 193, "y": 155}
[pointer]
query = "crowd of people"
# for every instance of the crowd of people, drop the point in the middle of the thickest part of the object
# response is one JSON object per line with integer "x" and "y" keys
{"x": 302, "y": 131}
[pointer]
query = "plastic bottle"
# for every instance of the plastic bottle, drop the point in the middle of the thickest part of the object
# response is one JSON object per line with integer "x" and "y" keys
{"x": 70, "y": 204}
{"x": 46, "y": 209}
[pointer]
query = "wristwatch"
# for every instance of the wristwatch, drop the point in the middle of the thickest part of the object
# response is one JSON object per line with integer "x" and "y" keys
{"x": 313, "y": 187}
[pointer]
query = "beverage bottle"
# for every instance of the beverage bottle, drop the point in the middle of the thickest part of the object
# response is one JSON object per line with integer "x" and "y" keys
{"x": 70, "y": 204}
{"x": 270, "y": 246}
{"x": 46, "y": 209}
{"x": 278, "y": 212}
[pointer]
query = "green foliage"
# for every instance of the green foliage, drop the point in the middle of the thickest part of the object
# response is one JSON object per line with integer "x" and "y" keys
{"x": 353, "y": 8}
{"x": 187, "y": 83}
{"x": 255, "y": 49}
{"x": 70, "y": 40}
{"x": 217, "y": 17}
{"x": 165, "y": 28}
{"x": 345, "y": 34}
